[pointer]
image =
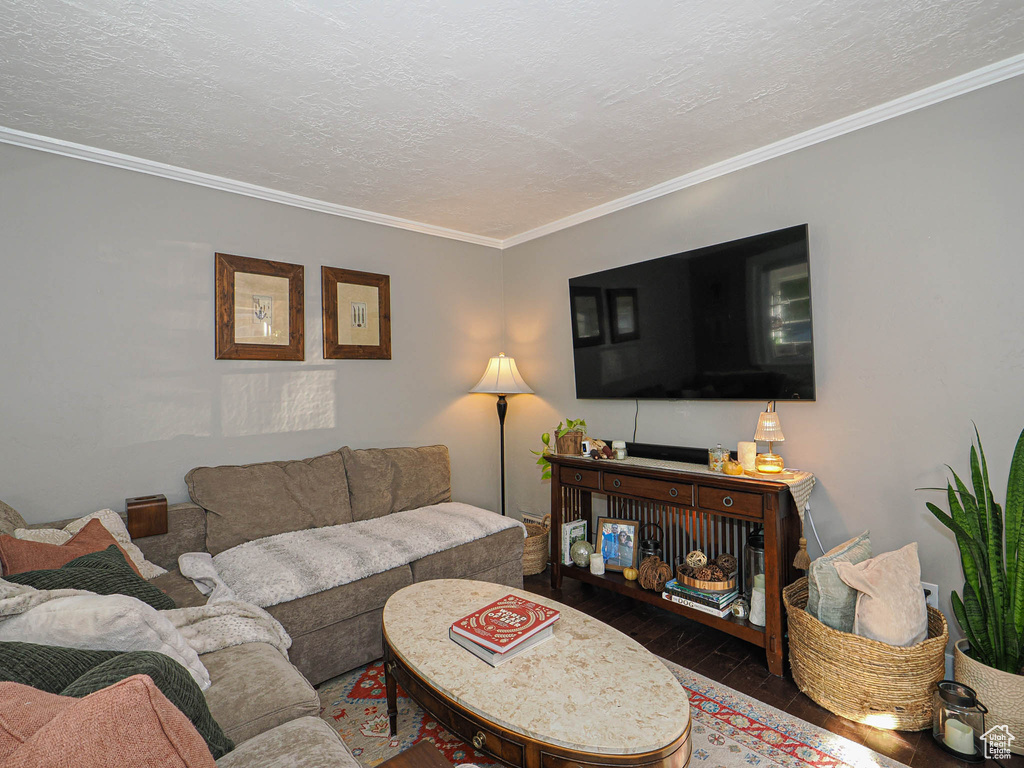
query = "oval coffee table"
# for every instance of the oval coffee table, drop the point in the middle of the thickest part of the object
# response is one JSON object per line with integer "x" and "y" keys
{"x": 590, "y": 696}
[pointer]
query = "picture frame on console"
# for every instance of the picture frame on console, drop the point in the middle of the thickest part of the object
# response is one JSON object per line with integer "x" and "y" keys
{"x": 259, "y": 309}
{"x": 356, "y": 314}
{"x": 618, "y": 541}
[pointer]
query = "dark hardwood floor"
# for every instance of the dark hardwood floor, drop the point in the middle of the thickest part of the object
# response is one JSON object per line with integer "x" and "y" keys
{"x": 738, "y": 665}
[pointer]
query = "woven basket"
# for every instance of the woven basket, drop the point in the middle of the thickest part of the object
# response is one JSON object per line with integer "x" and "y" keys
{"x": 535, "y": 547}
{"x": 860, "y": 679}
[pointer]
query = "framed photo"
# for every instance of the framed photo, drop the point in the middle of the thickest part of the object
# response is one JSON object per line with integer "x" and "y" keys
{"x": 259, "y": 309}
{"x": 587, "y": 317}
{"x": 625, "y": 319}
{"x": 357, "y": 315}
{"x": 618, "y": 541}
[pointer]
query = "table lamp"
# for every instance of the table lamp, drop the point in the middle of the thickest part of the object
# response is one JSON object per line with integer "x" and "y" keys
{"x": 502, "y": 378}
{"x": 769, "y": 430}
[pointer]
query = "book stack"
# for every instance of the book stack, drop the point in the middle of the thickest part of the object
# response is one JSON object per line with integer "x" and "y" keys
{"x": 715, "y": 603}
{"x": 504, "y": 629}
{"x": 572, "y": 531}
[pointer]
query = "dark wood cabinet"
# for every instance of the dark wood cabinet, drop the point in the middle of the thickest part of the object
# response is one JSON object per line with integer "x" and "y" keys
{"x": 711, "y": 512}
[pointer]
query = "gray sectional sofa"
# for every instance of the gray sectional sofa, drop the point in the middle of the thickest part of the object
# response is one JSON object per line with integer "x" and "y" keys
{"x": 267, "y": 705}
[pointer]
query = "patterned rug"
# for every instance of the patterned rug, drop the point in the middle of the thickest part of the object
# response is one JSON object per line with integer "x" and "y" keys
{"x": 728, "y": 729}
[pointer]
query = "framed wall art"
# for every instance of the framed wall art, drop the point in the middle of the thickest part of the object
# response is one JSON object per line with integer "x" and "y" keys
{"x": 259, "y": 314}
{"x": 357, "y": 315}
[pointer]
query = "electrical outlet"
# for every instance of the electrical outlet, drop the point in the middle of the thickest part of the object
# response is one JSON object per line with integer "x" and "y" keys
{"x": 931, "y": 594}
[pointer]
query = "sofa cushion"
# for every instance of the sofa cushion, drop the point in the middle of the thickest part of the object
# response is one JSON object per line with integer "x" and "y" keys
{"x": 104, "y": 573}
{"x": 471, "y": 558}
{"x": 320, "y": 609}
{"x": 254, "y": 689}
{"x": 130, "y": 723}
{"x": 308, "y": 742}
{"x": 20, "y": 555}
{"x": 386, "y": 480}
{"x": 181, "y": 590}
{"x": 252, "y": 501}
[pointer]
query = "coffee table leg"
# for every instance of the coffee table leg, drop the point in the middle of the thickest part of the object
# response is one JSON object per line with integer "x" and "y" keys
{"x": 389, "y": 683}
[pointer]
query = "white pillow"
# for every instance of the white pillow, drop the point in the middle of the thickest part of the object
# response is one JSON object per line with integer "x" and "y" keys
{"x": 890, "y": 600}
{"x": 104, "y": 623}
{"x": 110, "y": 520}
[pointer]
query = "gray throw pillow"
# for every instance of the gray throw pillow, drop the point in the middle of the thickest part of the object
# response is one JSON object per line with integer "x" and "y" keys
{"x": 386, "y": 480}
{"x": 10, "y": 520}
{"x": 829, "y": 600}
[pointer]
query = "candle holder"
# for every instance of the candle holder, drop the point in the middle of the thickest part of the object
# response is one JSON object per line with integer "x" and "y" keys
{"x": 958, "y": 721}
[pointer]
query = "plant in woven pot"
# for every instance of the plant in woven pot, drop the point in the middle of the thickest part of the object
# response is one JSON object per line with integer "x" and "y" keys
{"x": 991, "y": 610}
{"x": 568, "y": 439}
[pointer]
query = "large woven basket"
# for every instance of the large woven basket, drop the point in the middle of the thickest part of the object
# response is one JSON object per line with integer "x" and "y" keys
{"x": 864, "y": 680}
{"x": 535, "y": 547}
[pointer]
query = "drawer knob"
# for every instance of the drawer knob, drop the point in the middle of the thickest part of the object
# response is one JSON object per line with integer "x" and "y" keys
{"x": 578, "y": 477}
{"x": 479, "y": 740}
{"x": 673, "y": 492}
{"x": 616, "y": 482}
{"x": 727, "y": 501}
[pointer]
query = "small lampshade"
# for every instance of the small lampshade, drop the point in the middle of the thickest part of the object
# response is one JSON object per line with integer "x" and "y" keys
{"x": 502, "y": 378}
{"x": 769, "y": 428}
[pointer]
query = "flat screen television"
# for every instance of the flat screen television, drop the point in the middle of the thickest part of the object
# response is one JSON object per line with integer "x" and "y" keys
{"x": 725, "y": 322}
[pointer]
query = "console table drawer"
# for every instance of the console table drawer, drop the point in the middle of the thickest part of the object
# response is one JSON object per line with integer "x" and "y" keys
{"x": 662, "y": 490}
{"x": 733, "y": 502}
{"x": 584, "y": 478}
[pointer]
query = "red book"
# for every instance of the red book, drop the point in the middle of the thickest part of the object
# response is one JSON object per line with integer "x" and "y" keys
{"x": 505, "y": 623}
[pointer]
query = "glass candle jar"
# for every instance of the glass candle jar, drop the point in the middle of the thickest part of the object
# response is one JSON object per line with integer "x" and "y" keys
{"x": 958, "y": 720}
{"x": 717, "y": 457}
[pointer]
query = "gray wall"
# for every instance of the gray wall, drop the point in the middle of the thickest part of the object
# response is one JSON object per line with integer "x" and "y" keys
{"x": 110, "y": 386}
{"x": 917, "y": 274}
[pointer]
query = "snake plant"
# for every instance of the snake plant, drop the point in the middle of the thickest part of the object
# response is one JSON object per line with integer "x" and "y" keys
{"x": 991, "y": 543}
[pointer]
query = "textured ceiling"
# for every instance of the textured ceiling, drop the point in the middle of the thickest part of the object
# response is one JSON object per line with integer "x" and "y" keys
{"x": 489, "y": 118}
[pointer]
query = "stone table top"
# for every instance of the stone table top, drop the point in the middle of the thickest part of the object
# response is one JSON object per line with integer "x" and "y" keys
{"x": 589, "y": 688}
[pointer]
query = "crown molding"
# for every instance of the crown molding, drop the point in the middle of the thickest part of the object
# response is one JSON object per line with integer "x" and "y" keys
{"x": 153, "y": 168}
{"x": 957, "y": 86}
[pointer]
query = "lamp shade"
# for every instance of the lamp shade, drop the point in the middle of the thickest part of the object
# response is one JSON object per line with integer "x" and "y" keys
{"x": 769, "y": 428}
{"x": 502, "y": 378}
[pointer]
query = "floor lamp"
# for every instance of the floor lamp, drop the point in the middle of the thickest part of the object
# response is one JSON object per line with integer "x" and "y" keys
{"x": 502, "y": 378}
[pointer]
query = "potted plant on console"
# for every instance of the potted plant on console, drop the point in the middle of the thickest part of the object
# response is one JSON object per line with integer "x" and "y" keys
{"x": 568, "y": 440}
{"x": 991, "y": 610}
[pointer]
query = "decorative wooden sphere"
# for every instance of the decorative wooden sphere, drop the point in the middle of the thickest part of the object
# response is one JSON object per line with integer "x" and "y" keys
{"x": 716, "y": 573}
{"x": 696, "y": 559}
{"x": 727, "y": 563}
{"x": 703, "y": 574}
{"x": 654, "y": 573}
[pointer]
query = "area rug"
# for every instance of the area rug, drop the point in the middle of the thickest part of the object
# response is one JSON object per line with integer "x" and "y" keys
{"x": 729, "y": 729}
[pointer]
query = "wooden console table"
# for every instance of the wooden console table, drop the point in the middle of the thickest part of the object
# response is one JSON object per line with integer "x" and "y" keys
{"x": 711, "y": 512}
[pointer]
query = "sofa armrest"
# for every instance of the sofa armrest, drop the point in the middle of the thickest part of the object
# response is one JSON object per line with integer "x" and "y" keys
{"x": 186, "y": 532}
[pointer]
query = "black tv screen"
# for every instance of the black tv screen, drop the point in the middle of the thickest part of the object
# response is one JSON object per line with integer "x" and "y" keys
{"x": 725, "y": 322}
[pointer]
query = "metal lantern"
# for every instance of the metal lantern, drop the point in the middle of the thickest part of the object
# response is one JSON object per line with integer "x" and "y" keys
{"x": 958, "y": 721}
{"x": 649, "y": 545}
{"x": 753, "y": 576}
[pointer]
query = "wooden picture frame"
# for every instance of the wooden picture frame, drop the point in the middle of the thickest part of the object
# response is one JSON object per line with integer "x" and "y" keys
{"x": 623, "y": 314}
{"x": 259, "y": 309}
{"x": 587, "y": 316}
{"x": 621, "y": 549}
{"x": 362, "y": 331}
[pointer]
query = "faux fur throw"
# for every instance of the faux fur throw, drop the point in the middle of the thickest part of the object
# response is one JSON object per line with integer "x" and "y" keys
{"x": 291, "y": 565}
